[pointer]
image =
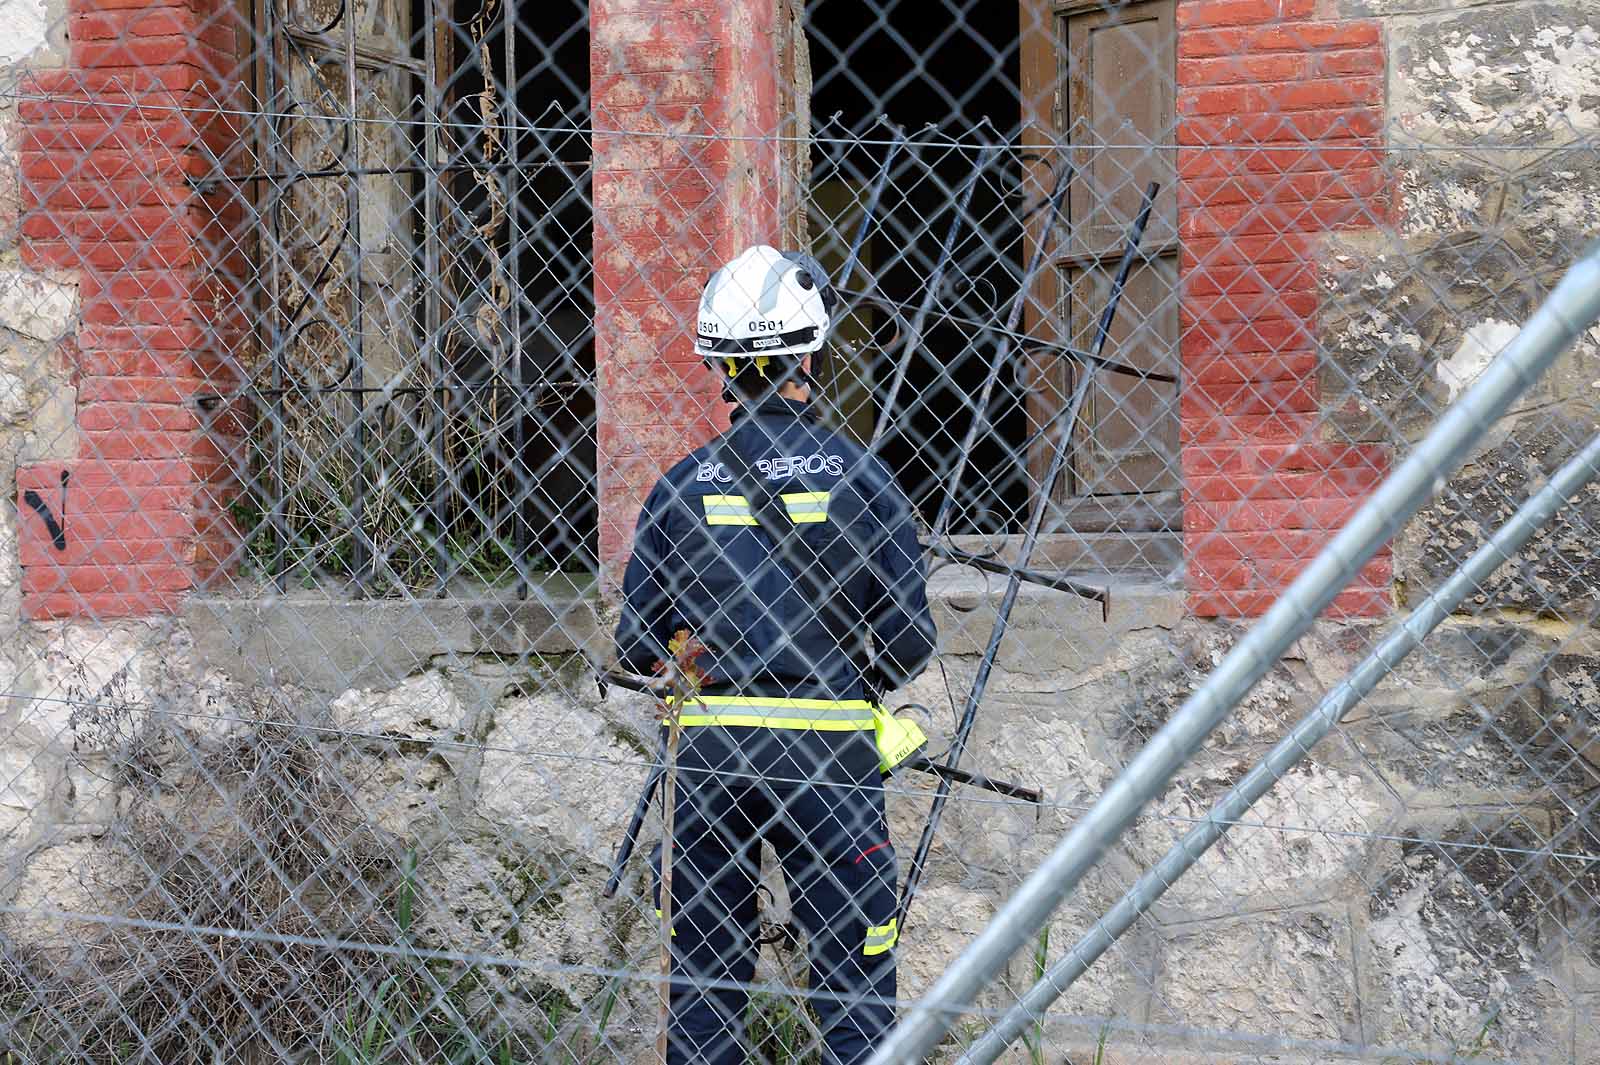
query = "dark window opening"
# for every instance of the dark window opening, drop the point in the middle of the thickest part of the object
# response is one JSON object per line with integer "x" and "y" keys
{"x": 423, "y": 379}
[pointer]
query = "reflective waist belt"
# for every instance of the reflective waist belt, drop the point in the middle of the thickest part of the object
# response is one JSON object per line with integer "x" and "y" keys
{"x": 824, "y": 715}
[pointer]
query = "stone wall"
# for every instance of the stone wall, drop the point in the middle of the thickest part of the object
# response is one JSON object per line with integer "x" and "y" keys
{"x": 37, "y": 309}
{"x": 1360, "y": 904}
{"x": 1495, "y": 117}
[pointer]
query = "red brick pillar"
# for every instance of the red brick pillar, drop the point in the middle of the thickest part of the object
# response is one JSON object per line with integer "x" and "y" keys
{"x": 1281, "y": 122}
{"x": 685, "y": 176}
{"x": 111, "y": 147}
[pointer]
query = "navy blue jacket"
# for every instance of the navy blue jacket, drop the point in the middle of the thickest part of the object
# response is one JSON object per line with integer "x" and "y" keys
{"x": 694, "y": 567}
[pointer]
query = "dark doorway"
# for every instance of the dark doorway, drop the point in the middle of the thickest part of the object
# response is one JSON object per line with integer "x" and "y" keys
{"x": 518, "y": 348}
{"x": 938, "y": 78}
{"x": 954, "y": 81}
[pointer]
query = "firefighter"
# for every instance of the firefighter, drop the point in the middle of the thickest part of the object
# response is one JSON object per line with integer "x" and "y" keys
{"x": 781, "y": 745}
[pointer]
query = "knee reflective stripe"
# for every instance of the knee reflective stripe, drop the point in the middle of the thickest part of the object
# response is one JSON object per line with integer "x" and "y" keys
{"x": 806, "y": 506}
{"x": 727, "y": 510}
{"x": 824, "y": 715}
{"x": 881, "y": 937}
{"x": 803, "y": 508}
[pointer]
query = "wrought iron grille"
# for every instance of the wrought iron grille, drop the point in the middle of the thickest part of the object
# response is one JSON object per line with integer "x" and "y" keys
{"x": 423, "y": 382}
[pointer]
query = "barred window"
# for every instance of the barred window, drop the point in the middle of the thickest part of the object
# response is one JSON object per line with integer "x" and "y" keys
{"x": 423, "y": 380}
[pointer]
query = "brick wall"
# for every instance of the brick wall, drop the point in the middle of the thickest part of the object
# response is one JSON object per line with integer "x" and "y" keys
{"x": 1259, "y": 83}
{"x": 670, "y": 206}
{"x": 110, "y": 145}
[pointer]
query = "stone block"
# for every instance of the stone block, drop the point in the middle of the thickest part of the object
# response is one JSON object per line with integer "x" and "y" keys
{"x": 1291, "y": 974}
{"x": 1586, "y": 1025}
{"x": 362, "y": 643}
{"x": 1535, "y": 214}
{"x": 947, "y": 918}
{"x": 91, "y": 686}
{"x": 51, "y": 433}
{"x": 484, "y": 895}
{"x": 1571, "y": 722}
{"x": 1164, "y": 677}
{"x": 1299, "y": 843}
{"x": 1455, "y": 945}
{"x": 556, "y": 775}
{"x": 1495, "y": 750}
{"x": 403, "y": 747}
{"x": 92, "y": 798}
{"x": 76, "y": 876}
{"x": 35, "y": 306}
{"x": 10, "y": 187}
{"x": 1048, "y": 631}
{"x": 26, "y": 27}
{"x": 14, "y": 402}
{"x": 1526, "y": 74}
{"x": 27, "y": 779}
{"x": 1558, "y": 572}
{"x": 419, "y": 709}
{"x": 1405, "y": 326}
{"x": 10, "y": 583}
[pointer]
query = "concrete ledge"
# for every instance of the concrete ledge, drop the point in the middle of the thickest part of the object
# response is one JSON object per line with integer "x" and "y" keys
{"x": 332, "y": 644}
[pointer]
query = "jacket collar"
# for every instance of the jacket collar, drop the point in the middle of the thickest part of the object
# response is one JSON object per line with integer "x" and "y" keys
{"x": 774, "y": 406}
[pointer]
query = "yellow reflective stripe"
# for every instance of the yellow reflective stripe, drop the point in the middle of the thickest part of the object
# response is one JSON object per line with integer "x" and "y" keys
{"x": 770, "y": 721}
{"x": 798, "y": 704}
{"x": 803, "y": 507}
{"x": 881, "y": 937}
{"x": 806, "y": 506}
{"x": 823, "y": 715}
{"x": 727, "y": 510}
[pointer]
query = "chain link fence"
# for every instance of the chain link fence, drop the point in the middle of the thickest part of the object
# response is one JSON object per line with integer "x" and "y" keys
{"x": 343, "y": 345}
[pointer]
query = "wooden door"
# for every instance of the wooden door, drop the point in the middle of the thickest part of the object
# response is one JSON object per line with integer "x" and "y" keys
{"x": 1099, "y": 94}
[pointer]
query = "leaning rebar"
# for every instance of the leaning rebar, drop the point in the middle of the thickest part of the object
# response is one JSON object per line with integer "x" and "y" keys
{"x": 1003, "y": 348}
{"x": 934, "y": 283}
{"x": 1041, "y": 507}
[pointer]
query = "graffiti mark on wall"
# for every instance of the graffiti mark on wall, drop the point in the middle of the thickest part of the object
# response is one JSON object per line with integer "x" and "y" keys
{"x": 56, "y": 527}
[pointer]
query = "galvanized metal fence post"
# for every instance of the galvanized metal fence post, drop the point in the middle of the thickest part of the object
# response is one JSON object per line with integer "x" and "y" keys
{"x": 1406, "y": 637}
{"x": 1570, "y": 308}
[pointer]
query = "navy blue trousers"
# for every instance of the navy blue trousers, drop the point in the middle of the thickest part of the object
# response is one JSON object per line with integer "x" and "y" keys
{"x": 833, "y": 844}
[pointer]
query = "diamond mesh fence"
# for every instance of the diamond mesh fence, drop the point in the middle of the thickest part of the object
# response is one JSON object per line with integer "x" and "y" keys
{"x": 430, "y": 634}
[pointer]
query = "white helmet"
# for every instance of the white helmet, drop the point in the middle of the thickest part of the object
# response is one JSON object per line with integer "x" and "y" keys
{"x": 764, "y": 303}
